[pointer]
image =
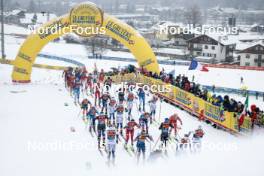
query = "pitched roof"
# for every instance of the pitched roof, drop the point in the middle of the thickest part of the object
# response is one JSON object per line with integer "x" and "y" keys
{"x": 253, "y": 45}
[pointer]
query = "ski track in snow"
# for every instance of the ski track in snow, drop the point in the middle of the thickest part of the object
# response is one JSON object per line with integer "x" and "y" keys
{"x": 38, "y": 115}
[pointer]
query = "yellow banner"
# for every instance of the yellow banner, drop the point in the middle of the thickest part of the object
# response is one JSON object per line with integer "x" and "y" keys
{"x": 11, "y": 62}
{"x": 191, "y": 103}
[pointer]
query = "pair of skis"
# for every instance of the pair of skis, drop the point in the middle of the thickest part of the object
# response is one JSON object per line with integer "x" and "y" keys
{"x": 129, "y": 148}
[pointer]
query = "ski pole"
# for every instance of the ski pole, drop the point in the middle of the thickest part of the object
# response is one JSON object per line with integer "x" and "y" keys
{"x": 136, "y": 107}
{"x": 156, "y": 143}
{"x": 160, "y": 108}
{"x": 79, "y": 113}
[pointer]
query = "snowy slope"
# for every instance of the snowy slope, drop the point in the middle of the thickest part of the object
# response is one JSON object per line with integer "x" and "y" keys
{"x": 216, "y": 76}
{"x": 37, "y": 115}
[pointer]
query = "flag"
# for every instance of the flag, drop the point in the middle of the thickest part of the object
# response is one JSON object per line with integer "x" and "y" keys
{"x": 197, "y": 66}
{"x": 243, "y": 114}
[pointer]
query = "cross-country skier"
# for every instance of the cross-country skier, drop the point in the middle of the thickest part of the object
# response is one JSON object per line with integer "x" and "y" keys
{"x": 78, "y": 73}
{"x": 152, "y": 107}
{"x": 89, "y": 83}
{"x": 101, "y": 76}
{"x": 70, "y": 82}
{"x": 143, "y": 121}
{"x": 174, "y": 119}
{"x": 165, "y": 127}
{"x": 141, "y": 146}
{"x": 141, "y": 96}
{"x": 184, "y": 142}
{"x": 83, "y": 77}
{"x": 97, "y": 94}
{"x": 130, "y": 128}
{"x": 130, "y": 101}
{"x": 84, "y": 106}
{"x": 76, "y": 89}
{"x": 119, "y": 117}
{"x": 108, "y": 83}
{"x": 91, "y": 115}
{"x": 66, "y": 73}
{"x": 111, "y": 110}
{"x": 197, "y": 139}
{"x": 95, "y": 75}
{"x": 121, "y": 95}
{"x": 111, "y": 140}
{"x": 104, "y": 100}
{"x": 101, "y": 126}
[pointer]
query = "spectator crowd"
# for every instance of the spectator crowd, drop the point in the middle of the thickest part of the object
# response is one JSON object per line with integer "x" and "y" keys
{"x": 225, "y": 103}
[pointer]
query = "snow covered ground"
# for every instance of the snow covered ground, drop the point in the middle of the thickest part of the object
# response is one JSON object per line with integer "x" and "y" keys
{"x": 34, "y": 115}
{"x": 35, "y": 125}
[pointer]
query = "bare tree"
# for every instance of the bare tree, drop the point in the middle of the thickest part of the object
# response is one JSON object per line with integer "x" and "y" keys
{"x": 193, "y": 15}
{"x": 95, "y": 46}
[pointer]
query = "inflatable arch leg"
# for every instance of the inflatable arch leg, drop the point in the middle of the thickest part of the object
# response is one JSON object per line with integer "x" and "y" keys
{"x": 82, "y": 16}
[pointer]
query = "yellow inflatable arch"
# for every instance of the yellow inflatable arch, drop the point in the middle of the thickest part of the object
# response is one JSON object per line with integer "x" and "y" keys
{"x": 85, "y": 20}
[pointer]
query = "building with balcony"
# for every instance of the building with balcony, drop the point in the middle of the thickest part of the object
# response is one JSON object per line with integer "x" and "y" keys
{"x": 253, "y": 55}
{"x": 211, "y": 48}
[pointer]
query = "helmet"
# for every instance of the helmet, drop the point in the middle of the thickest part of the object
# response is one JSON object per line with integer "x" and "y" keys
{"x": 200, "y": 127}
{"x": 166, "y": 120}
{"x": 132, "y": 120}
{"x": 143, "y": 131}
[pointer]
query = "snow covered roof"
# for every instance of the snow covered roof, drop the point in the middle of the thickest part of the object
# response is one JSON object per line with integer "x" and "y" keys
{"x": 134, "y": 15}
{"x": 199, "y": 58}
{"x": 160, "y": 8}
{"x": 250, "y": 45}
{"x": 256, "y": 25}
{"x": 166, "y": 24}
{"x": 222, "y": 39}
{"x": 171, "y": 51}
{"x": 224, "y": 10}
{"x": 228, "y": 39}
{"x": 41, "y": 18}
{"x": 14, "y": 12}
{"x": 243, "y": 45}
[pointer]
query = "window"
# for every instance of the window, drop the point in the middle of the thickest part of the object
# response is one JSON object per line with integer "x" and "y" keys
{"x": 213, "y": 47}
{"x": 205, "y": 47}
{"x": 248, "y": 56}
{"x": 247, "y": 64}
